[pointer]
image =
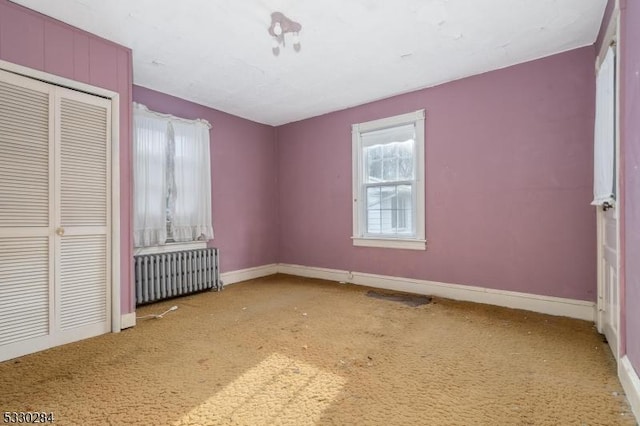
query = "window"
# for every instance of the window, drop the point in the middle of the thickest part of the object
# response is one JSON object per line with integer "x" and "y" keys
{"x": 172, "y": 179}
{"x": 388, "y": 182}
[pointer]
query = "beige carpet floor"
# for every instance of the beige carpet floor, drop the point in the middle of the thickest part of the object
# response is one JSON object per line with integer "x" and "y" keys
{"x": 292, "y": 351}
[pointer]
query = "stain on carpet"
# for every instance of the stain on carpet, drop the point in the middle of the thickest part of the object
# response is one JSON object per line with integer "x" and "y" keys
{"x": 408, "y": 299}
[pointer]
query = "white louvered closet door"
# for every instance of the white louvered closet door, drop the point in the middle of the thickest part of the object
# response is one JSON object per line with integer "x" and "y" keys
{"x": 82, "y": 248}
{"x": 26, "y": 207}
{"x": 54, "y": 215}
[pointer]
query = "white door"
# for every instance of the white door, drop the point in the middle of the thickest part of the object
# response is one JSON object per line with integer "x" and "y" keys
{"x": 54, "y": 215}
{"x": 605, "y": 182}
{"x": 82, "y": 248}
{"x": 26, "y": 243}
{"x": 608, "y": 288}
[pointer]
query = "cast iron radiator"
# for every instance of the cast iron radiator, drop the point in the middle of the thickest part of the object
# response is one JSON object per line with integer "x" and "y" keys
{"x": 165, "y": 275}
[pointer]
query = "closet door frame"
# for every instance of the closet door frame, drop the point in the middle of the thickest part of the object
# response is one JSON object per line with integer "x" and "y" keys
{"x": 114, "y": 97}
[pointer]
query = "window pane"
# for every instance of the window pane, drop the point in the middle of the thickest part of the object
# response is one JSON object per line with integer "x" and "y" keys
{"x": 374, "y": 171}
{"x": 374, "y": 152}
{"x": 404, "y": 219}
{"x": 389, "y": 210}
{"x": 390, "y": 150}
{"x": 390, "y": 169}
{"x": 405, "y": 162}
{"x": 387, "y": 195}
{"x": 373, "y": 163}
{"x": 389, "y": 162}
{"x": 373, "y": 198}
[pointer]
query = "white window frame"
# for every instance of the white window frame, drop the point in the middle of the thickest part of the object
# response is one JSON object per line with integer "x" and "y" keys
{"x": 360, "y": 238}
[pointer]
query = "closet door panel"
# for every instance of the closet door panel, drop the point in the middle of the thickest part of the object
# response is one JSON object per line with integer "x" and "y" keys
{"x": 24, "y": 288}
{"x": 84, "y": 167}
{"x": 24, "y": 163}
{"x": 26, "y": 188}
{"x": 83, "y": 247}
{"x": 84, "y": 275}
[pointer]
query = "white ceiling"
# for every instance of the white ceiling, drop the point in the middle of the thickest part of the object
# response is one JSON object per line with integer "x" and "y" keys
{"x": 218, "y": 53}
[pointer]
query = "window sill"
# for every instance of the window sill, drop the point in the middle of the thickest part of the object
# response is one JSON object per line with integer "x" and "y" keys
{"x": 171, "y": 247}
{"x": 390, "y": 243}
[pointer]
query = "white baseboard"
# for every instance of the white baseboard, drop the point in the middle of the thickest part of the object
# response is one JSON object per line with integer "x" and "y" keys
{"x": 313, "y": 272}
{"x": 233, "y": 277}
{"x": 531, "y": 302}
{"x": 579, "y": 309}
{"x": 631, "y": 384}
{"x": 127, "y": 320}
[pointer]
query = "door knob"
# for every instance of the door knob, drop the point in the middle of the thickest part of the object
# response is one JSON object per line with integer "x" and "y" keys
{"x": 60, "y": 231}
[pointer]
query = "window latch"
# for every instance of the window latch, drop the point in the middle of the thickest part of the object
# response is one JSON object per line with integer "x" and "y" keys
{"x": 606, "y": 206}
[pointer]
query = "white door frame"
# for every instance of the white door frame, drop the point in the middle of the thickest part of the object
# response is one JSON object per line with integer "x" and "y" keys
{"x": 611, "y": 35}
{"x": 116, "y": 325}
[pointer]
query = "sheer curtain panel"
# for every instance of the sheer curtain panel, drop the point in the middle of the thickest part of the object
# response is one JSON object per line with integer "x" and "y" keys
{"x": 150, "y": 143}
{"x": 191, "y": 207}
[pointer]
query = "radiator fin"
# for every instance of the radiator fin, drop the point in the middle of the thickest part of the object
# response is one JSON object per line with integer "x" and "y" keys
{"x": 166, "y": 275}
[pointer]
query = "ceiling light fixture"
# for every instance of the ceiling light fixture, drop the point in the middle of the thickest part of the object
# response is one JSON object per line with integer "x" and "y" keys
{"x": 280, "y": 26}
{"x": 277, "y": 28}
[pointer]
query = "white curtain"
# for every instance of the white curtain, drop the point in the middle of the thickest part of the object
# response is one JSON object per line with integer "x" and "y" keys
{"x": 604, "y": 133}
{"x": 190, "y": 203}
{"x": 172, "y": 176}
{"x": 150, "y": 184}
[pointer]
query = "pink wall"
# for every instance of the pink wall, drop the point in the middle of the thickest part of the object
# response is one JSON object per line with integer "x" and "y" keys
{"x": 630, "y": 135}
{"x": 244, "y": 188}
{"x": 509, "y": 182}
{"x": 30, "y": 39}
